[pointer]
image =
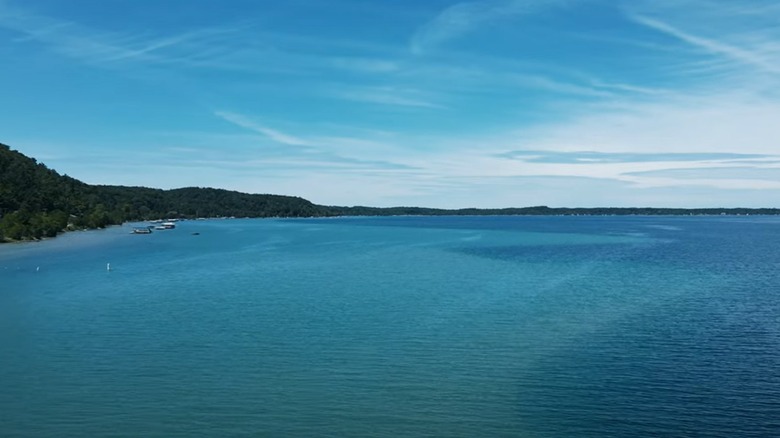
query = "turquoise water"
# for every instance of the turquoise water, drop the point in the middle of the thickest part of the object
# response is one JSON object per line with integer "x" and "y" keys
{"x": 386, "y": 327}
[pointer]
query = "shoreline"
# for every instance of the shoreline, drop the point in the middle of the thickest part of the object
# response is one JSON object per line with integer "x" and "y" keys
{"x": 9, "y": 242}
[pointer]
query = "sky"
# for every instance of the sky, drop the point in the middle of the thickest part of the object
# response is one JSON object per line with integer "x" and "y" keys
{"x": 435, "y": 103}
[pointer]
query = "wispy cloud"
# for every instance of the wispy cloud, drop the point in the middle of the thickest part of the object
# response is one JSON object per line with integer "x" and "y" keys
{"x": 316, "y": 153}
{"x": 590, "y": 157}
{"x": 630, "y": 88}
{"x": 365, "y": 64}
{"x": 102, "y": 47}
{"x": 387, "y": 95}
{"x": 538, "y": 82}
{"x": 238, "y": 47}
{"x": 277, "y": 136}
{"x": 730, "y": 173}
{"x": 442, "y": 83}
{"x": 747, "y": 56}
{"x": 462, "y": 18}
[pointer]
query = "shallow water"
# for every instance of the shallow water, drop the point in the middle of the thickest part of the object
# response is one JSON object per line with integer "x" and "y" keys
{"x": 406, "y": 326}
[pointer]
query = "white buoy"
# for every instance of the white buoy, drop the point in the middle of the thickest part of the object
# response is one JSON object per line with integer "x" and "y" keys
{"x": 37, "y": 269}
{"x": 108, "y": 266}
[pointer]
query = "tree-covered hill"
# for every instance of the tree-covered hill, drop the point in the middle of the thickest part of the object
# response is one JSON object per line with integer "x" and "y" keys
{"x": 37, "y": 202}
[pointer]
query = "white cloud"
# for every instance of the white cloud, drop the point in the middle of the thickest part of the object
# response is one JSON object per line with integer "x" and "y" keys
{"x": 722, "y": 122}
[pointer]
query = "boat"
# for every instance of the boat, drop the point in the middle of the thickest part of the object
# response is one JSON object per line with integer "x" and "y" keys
{"x": 142, "y": 230}
{"x": 168, "y": 225}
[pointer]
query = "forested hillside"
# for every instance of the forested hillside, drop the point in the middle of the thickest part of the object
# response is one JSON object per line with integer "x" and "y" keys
{"x": 37, "y": 202}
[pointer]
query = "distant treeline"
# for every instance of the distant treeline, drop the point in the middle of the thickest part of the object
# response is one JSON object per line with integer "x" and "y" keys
{"x": 547, "y": 211}
{"x": 37, "y": 202}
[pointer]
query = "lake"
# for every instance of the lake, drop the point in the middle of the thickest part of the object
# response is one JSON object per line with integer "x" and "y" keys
{"x": 399, "y": 326}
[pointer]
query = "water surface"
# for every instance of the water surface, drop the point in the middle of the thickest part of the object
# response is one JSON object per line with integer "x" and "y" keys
{"x": 406, "y": 326}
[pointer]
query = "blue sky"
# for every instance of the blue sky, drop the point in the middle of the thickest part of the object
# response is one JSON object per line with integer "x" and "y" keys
{"x": 435, "y": 103}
